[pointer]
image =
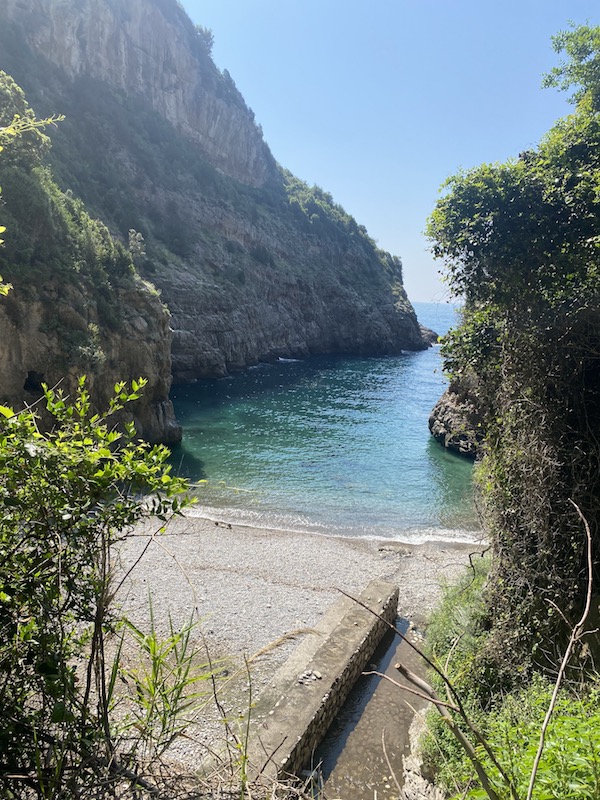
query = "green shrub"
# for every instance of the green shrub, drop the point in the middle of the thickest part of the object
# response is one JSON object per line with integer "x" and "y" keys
{"x": 66, "y": 498}
{"x": 458, "y": 626}
{"x": 570, "y": 764}
{"x": 510, "y": 723}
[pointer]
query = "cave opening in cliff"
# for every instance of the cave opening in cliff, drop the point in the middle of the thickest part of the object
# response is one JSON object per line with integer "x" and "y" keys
{"x": 33, "y": 382}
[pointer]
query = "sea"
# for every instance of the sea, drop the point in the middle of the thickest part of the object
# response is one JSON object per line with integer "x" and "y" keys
{"x": 329, "y": 445}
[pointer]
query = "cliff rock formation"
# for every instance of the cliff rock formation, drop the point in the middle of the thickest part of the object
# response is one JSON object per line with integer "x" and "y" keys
{"x": 455, "y": 421}
{"x": 151, "y": 49}
{"x": 53, "y": 333}
{"x": 252, "y": 263}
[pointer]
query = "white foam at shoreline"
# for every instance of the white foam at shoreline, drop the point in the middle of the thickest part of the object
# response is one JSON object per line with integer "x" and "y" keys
{"x": 265, "y": 521}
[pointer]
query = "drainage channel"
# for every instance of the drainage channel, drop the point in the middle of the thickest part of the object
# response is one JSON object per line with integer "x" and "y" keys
{"x": 294, "y": 712}
{"x": 352, "y": 757}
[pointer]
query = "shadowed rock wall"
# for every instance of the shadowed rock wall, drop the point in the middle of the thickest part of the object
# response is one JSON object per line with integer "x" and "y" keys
{"x": 251, "y": 265}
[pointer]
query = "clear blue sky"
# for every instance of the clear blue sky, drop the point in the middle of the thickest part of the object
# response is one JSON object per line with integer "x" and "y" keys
{"x": 378, "y": 101}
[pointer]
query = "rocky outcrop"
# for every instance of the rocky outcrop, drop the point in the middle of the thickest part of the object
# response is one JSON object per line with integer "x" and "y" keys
{"x": 456, "y": 422}
{"x": 429, "y": 336}
{"x": 251, "y": 263}
{"x": 52, "y": 333}
{"x": 150, "y": 49}
{"x": 76, "y": 306}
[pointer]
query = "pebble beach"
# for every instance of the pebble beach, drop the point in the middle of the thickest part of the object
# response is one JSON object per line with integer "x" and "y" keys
{"x": 249, "y": 587}
{"x": 253, "y": 591}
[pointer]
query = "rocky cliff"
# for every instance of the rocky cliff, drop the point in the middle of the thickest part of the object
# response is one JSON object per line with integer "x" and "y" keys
{"x": 252, "y": 263}
{"x": 456, "y": 422}
{"x": 76, "y": 305}
{"x": 150, "y": 48}
{"x": 53, "y": 333}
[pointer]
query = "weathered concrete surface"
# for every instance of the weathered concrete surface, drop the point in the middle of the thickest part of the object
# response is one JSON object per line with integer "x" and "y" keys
{"x": 292, "y": 715}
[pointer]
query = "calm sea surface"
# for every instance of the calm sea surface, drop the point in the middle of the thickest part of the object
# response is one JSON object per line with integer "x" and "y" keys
{"x": 328, "y": 445}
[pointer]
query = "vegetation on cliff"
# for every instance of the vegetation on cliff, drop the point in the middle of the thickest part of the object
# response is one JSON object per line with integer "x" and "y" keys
{"x": 13, "y": 129}
{"x": 75, "y": 296}
{"x": 521, "y": 242}
{"x": 50, "y": 232}
{"x": 252, "y": 263}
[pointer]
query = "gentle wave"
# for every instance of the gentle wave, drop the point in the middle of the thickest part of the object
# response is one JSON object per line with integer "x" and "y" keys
{"x": 330, "y": 445}
{"x": 273, "y": 521}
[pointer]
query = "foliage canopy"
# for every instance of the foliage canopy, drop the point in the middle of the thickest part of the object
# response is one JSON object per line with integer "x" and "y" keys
{"x": 521, "y": 242}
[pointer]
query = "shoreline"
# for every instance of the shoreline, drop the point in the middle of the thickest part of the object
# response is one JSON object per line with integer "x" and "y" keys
{"x": 222, "y": 517}
{"x": 253, "y": 585}
{"x": 249, "y": 588}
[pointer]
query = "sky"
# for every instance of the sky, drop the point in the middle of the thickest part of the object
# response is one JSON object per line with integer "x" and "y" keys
{"x": 379, "y": 101}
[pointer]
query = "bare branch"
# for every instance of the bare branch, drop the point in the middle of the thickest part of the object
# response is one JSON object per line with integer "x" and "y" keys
{"x": 576, "y": 634}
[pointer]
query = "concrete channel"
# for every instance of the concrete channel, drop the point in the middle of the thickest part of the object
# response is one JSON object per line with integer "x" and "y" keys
{"x": 294, "y": 712}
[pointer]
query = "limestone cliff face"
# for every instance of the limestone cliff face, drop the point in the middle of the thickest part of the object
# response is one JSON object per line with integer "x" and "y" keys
{"x": 151, "y": 49}
{"x": 242, "y": 311}
{"x": 251, "y": 263}
{"x": 53, "y": 333}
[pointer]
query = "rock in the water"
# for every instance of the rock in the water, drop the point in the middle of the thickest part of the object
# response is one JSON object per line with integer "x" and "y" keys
{"x": 429, "y": 336}
{"x": 456, "y": 422}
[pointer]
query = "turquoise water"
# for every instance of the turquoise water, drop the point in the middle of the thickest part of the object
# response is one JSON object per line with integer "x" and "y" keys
{"x": 331, "y": 444}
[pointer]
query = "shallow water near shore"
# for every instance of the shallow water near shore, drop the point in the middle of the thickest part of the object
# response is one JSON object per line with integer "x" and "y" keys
{"x": 334, "y": 445}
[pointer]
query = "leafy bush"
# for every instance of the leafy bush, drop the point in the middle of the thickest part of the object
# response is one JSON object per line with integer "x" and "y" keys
{"x": 165, "y": 688}
{"x": 511, "y": 723}
{"x": 66, "y": 498}
{"x": 458, "y": 624}
{"x": 570, "y": 765}
{"x": 455, "y": 639}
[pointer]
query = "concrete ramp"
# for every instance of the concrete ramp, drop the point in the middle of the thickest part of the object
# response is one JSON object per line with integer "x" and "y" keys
{"x": 293, "y": 714}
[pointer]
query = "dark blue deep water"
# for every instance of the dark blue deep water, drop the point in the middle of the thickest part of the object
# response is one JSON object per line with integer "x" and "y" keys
{"x": 328, "y": 445}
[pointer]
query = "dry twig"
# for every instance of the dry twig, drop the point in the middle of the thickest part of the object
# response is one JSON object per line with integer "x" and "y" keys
{"x": 576, "y": 634}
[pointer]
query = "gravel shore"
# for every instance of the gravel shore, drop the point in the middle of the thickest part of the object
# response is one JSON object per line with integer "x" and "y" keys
{"x": 251, "y": 587}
